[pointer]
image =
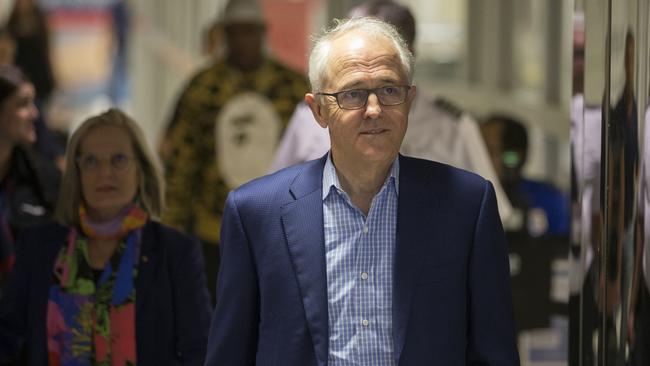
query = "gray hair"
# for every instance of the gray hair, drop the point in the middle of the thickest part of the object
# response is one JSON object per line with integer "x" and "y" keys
{"x": 150, "y": 193}
{"x": 373, "y": 26}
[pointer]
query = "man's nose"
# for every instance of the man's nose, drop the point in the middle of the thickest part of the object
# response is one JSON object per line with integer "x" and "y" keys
{"x": 373, "y": 107}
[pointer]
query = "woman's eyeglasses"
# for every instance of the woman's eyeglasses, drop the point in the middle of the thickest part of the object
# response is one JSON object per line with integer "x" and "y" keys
{"x": 118, "y": 162}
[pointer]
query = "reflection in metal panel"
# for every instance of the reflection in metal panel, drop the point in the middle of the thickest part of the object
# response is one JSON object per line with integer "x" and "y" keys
{"x": 610, "y": 301}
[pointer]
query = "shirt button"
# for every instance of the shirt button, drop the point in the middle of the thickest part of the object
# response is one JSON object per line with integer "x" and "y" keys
{"x": 365, "y": 322}
{"x": 365, "y": 228}
{"x": 364, "y": 276}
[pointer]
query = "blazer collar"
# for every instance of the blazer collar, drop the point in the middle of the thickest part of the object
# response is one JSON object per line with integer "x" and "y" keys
{"x": 302, "y": 220}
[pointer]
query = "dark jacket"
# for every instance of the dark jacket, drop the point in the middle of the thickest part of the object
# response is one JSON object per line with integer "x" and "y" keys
{"x": 29, "y": 192}
{"x": 451, "y": 286}
{"x": 35, "y": 181}
{"x": 172, "y": 304}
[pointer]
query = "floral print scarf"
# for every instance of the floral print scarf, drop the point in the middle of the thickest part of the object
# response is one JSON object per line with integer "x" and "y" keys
{"x": 91, "y": 313}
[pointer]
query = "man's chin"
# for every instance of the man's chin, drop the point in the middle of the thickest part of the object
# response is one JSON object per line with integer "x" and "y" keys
{"x": 379, "y": 157}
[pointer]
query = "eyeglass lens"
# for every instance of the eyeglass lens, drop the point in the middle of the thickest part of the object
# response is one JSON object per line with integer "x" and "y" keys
{"x": 117, "y": 161}
{"x": 357, "y": 98}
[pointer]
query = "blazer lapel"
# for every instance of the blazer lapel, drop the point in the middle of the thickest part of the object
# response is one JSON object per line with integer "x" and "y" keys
{"x": 302, "y": 220}
{"x": 147, "y": 265}
{"x": 414, "y": 202}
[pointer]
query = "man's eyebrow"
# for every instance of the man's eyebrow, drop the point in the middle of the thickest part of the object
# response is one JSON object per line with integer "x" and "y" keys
{"x": 390, "y": 81}
{"x": 353, "y": 85}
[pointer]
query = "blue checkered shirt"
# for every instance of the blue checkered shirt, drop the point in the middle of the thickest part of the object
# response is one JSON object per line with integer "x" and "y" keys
{"x": 359, "y": 255}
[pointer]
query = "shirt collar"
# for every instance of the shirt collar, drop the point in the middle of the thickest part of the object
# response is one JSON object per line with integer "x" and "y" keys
{"x": 331, "y": 179}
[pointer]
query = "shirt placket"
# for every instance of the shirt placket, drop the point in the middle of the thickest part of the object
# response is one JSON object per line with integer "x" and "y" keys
{"x": 367, "y": 282}
{"x": 383, "y": 279}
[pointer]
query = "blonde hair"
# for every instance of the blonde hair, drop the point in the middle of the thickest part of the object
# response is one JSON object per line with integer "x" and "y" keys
{"x": 150, "y": 192}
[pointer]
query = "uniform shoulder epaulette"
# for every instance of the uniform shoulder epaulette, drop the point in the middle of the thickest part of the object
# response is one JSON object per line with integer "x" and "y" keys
{"x": 448, "y": 106}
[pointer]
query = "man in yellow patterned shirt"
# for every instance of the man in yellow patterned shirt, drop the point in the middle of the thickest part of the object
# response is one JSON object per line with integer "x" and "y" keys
{"x": 225, "y": 128}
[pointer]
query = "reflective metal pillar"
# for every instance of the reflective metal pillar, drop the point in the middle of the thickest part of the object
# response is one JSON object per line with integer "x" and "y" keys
{"x": 610, "y": 301}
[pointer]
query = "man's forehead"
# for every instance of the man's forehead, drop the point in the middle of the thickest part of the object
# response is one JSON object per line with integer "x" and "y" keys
{"x": 359, "y": 50}
{"x": 358, "y": 40}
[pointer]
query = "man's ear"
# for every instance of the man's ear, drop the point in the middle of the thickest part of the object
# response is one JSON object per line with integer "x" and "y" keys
{"x": 316, "y": 109}
{"x": 411, "y": 93}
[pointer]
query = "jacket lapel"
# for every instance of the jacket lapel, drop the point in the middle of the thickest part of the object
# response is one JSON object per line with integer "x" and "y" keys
{"x": 415, "y": 202}
{"x": 302, "y": 220}
{"x": 303, "y": 224}
{"x": 146, "y": 266}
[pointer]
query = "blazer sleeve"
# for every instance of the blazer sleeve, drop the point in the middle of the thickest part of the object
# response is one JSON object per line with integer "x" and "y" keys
{"x": 191, "y": 301}
{"x": 234, "y": 330}
{"x": 491, "y": 333}
{"x": 14, "y": 306}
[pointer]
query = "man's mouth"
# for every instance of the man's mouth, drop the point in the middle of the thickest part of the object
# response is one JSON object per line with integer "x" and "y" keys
{"x": 374, "y": 131}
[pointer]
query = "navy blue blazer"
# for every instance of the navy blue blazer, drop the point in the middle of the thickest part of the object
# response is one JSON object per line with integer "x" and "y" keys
{"x": 172, "y": 302}
{"x": 451, "y": 295}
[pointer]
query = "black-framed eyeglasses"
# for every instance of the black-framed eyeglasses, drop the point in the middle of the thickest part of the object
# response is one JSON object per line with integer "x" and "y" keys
{"x": 358, "y": 98}
{"x": 119, "y": 162}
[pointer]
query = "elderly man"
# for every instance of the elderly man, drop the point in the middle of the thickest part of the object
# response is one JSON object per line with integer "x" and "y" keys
{"x": 438, "y": 130}
{"x": 363, "y": 257}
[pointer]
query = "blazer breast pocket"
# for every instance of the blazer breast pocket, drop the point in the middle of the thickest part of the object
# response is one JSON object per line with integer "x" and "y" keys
{"x": 441, "y": 271}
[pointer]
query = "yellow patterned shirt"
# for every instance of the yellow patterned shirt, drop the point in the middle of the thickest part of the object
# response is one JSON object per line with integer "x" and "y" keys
{"x": 224, "y": 132}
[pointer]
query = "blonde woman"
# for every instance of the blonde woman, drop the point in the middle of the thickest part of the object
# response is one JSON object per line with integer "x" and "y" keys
{"x": 107, "y": 285}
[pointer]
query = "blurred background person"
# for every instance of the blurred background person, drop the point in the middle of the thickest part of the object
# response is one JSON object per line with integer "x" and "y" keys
{"x": 119, "y": 81}
{"x": 226, "y": 127}
{"x": 538, "y": 233}
{"x": 620, "y": 176}
{"x": 212, "y": 41}
{"x": 89, "y": 289}
{"x": 27, "y": 25}
{"x": 7, "y": 47}
{"x": 639, "y": 309}
{"x": 586, "y": 144}
{"x": 28, "y": 183}
{"x": 438, "y": 130}
{"x": 544, "y": 208}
